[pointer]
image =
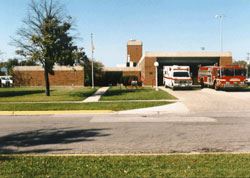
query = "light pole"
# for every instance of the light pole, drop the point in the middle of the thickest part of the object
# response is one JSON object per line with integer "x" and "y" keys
{"x": 248, "y": 63}
{"x": 221, "y": 18}
{"x": 156, "y": 64}
{"x": 248, "y": 58}
{"x": 92, "y": 63}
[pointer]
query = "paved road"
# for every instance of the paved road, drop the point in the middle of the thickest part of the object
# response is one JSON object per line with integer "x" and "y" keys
{"x": 215, "y": 121}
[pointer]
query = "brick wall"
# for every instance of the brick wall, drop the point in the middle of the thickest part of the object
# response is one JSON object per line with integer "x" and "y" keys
{"x": 226, "y": 61}
{"x": 135, "y": 52}
{"x": 60, "y": 78}
{"x": 148, "y": 71}
{"x": 132, "y": 73}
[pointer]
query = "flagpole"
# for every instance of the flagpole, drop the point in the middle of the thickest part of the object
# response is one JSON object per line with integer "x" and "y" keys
{"x": 92, "y": 58}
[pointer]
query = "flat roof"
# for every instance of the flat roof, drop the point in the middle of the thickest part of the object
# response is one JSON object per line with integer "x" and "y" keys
{"x": 134, "y": 42}
{"x": 40, "y": 68}
{"x": 188, "y": 54}
{"x": 120, "y": 69}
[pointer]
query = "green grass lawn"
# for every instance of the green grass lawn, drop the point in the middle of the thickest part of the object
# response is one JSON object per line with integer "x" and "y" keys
{"x": 205, "y": 165}
{"x": 37, "y": 94}
{"x": 147, "y": 93}
{"x": 114, "y": 106}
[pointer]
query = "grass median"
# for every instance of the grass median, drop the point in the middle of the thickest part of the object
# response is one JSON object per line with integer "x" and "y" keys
{"x": 114, "y": 106}
{"x": 204, "y": 165}
{"x": 146, "y": 93}
{"x": 37, "y": 94}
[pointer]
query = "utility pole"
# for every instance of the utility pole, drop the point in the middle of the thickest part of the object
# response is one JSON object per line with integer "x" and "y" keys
{"x": 221, "y": 18}
{"x": 92, "y": 58}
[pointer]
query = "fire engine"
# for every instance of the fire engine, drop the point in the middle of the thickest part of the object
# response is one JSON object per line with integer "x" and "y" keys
{"x": 177, "y": 76}
{"x": 222, "y": 77}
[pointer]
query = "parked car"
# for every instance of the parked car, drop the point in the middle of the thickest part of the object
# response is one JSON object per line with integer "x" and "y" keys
{"x": 6, "y": 81}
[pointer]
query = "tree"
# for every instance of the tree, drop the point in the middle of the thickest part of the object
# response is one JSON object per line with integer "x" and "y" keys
{"x": 45, "y": 37}
{"x": 244, "y": 64}
{"x": 98, "y": 72}
{"x": 240, "y": 63}
{"x": 10, "y": 63}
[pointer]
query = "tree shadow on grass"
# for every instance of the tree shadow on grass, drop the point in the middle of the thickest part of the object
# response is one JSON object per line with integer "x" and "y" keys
{"x": 82, "y": 94}
{"x": 19, "y": 93}
{"x": 25, "y": 140}
{"x": 5, "y": 158}
{"x": 122, "y": 92}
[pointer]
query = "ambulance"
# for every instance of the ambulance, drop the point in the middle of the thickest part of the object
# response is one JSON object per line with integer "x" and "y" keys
{"x": 177, "y": 77}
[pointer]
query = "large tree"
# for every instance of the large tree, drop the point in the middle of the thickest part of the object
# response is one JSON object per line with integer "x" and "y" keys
{"x": 45, "y": 37}
{"x": 10, "y": 63}
{"x": 242, "y": 63}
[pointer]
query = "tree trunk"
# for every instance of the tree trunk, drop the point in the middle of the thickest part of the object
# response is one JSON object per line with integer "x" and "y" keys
{"x": 46, "y": 76}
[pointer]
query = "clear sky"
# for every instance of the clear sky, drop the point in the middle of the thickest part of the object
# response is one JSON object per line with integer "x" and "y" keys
{"x": 162, "y": 25}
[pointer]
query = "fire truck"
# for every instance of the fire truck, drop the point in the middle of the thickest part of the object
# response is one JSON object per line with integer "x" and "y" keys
{"x": 222, "y": 77}
{"x": 177, "y": 77}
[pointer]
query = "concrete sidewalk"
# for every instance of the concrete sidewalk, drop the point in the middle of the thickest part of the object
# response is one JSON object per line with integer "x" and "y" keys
{"x": 97, "y": 96}
{"x": 175, "y": 108}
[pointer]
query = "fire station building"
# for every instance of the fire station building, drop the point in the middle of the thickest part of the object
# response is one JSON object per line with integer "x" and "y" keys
{"x": 144, "y": 62}
{"x": 138, "y": 63}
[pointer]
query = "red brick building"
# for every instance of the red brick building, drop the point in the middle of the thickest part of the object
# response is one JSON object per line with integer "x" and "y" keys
{"x": 34, "y": 76}
{"x": 137, "y": 64}
{"x": 145, "y": 62}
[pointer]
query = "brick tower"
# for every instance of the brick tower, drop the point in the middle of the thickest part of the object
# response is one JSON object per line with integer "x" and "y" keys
{"x": 134, "y": 52}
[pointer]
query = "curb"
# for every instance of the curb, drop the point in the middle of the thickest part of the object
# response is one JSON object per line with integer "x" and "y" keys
{"x": 30, "y": 113}
{"x": 125, "y": 154}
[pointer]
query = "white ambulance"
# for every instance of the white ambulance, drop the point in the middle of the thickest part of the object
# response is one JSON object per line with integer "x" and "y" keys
{"x": 177, "y": 77}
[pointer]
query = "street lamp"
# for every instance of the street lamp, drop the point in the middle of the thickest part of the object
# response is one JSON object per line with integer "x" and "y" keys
{"x": 221, "y": 18}
{"x": 248, "y": 63}
{"x": 156, "y": 64}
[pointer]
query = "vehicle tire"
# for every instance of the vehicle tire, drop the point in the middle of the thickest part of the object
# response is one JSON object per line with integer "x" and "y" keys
{"x": 202, "y": 83}
{"x": 173, "y": 87}
{"x": 213, "y": 86}
{"x": 216, "y": 87}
